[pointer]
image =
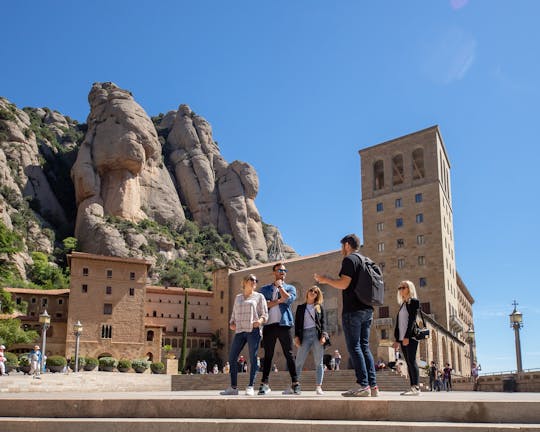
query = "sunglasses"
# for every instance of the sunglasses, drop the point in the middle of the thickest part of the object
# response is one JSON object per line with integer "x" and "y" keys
{"x": 282, "y": 270}
{"x": 312, "y": 291}
{"x": 254, "y": 280}
{"x": 402, "y": 288}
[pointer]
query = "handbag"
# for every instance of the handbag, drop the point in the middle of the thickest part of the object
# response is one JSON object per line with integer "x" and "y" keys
{"x": 420, "y": 333}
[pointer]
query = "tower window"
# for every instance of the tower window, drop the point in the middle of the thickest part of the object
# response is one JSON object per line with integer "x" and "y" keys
{"x": 420, "y": 240}
{"x": 419, "y": 171}
{"x": 400, "y": 243}
{"x": 84, "y": 288}
{"x": 378, "y": 175}
{"x": 132, "y": 276}
{"x": 109, "y": 274}
{"x": 108, "y": 290}
{"x": 421, "y": 260}
{"x": 380, "y": 226}
{"x": 132, "y": 291}
{"x": 399, "y": 203}
{"x": 106, "y": 331}
{"x": 380, "y": 247}
{"x": 107, "y": 309}
{"x": 380, "y": 207}
{"x": 418, "y": 198}
{"x": 397, "y": 170}
{"x": 384, "y": 312}
{"x": 419, "y": 218}
{"x": 399, "y": 222}
{"x": 422, "y": 282}
{"x": 401, "y": 263}
{"x": 85, "y": 271}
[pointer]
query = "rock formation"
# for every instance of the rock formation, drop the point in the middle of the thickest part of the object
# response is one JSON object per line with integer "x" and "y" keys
{"x": 119, "y": 172}
{"x": 217, "y": 193}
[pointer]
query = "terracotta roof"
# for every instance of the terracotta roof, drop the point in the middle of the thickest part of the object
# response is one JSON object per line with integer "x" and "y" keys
{"x": 37, "y": 291}
{"x": 88, "y": 256}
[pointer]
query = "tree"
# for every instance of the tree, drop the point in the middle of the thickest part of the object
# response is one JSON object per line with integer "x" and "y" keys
{"x": 11, "y": 333}
{"x": 6, "y": 302}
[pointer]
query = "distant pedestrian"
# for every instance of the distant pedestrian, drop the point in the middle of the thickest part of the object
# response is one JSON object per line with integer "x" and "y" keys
{"x": 432, "y": 375}
{"x": 2, "y": 360}
{"x": 35, "y": 362}
{"x": 337, "y": 359}
{"x": 447, "y": 376}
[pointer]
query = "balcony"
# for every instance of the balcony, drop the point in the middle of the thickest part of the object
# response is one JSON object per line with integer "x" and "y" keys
{"x": 383, "y": 322}
{"x": 456, "y": 325}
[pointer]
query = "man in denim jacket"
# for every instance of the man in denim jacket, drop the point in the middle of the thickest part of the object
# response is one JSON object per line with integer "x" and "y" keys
{"x": 279, "y": 297}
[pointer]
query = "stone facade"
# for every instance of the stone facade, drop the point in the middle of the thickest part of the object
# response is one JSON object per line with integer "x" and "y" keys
{"x": 408, "y": 230}
{"x": 107, "y": 295}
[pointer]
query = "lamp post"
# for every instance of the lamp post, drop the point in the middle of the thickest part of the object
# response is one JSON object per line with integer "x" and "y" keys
{"x": 470, "y": 339}
{"x": 77, "y": 331}
{"x": 45, "y": 321}
{"x": 516, "y": 322}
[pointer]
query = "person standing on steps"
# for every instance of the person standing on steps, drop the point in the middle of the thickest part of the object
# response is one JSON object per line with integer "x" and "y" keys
{"x": 357, "y": 318}
{"x": 279, "y": 297}
{"x": 310, "y": 335}
{"x": 403, "y": 332}
{"x": 249, "y": 314}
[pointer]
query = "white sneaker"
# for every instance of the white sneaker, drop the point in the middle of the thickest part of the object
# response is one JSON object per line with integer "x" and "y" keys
{"x": 414, "y": 391}
{"x": 288, "y": 391}
{"x": 319, "y": 390}
{"x": 250, "y": 391}
{"x": 229, "y": 391}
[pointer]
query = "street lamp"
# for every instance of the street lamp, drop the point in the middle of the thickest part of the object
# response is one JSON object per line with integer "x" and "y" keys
{"x": 77, "y": 331}
{"x": 470, "y": 339}
{"x": 45, "y": 321}
{"x": 516, "y": 322}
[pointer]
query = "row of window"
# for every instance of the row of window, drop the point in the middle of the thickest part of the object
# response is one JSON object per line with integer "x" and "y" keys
{"x": 154, "y": 314}
{"x": 86, "y": 272}
{"x": 398, "y": 203}
{"x": 191, "y": 343}
{"x": 108, "y": 290}
{"x": 179, "y": 302}
{"x": 400, "y": 243}
{"x": 33, "y": 300}
{"x": 401, "y": 261}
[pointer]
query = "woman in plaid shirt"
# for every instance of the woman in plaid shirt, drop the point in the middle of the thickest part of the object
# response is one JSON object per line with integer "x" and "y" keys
{"x": 250, "y": 312}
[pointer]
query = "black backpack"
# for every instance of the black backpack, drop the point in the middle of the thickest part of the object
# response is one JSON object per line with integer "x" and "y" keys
{"x": 369, "y": 287}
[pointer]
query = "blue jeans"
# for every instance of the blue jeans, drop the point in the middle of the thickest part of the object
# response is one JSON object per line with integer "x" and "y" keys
{"x": 356, "y": 326}
{"x": 310, "y": 342}
{"x": 253, "y": 339}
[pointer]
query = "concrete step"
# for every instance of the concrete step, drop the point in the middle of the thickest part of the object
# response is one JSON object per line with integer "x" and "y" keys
{"x": 240, "y": 425}
{"x": 453, "y": 407}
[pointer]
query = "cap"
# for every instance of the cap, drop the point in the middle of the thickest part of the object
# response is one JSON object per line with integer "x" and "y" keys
{"x": 2, "y": 347}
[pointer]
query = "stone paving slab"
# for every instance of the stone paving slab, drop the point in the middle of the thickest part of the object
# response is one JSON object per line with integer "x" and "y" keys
{"x": 242, "y": 425}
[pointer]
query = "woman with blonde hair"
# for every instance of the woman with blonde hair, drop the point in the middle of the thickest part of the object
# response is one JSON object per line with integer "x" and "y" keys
{"x": 403, "y": 332}
{"x": 250, "y": 312}
{"x": 310, "y": 335}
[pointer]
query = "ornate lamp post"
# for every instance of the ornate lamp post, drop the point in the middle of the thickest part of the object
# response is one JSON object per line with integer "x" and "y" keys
{"x": 77, "y": 331}
{"x": 516, "y": 322}
{"x": 470, "y": 339}
{"x": 45, "y": 321}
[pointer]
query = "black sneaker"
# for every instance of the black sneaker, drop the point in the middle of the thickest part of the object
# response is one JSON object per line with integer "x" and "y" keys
{"x": 264, "y": 389}
{"x": 296, "y": 389}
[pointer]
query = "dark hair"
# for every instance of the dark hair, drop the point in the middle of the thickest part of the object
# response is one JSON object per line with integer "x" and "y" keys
{"x": 352, "y": 240}
{"x": 276, "y": 265}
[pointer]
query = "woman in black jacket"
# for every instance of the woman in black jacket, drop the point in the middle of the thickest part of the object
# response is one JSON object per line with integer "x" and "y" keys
{"x": 403, "y": 333}
{"x": 310, "y": 335}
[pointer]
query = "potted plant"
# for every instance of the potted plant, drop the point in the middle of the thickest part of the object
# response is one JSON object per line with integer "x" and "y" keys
{"x": 24, "y": 363}
{"x": 168, "y": 352}
{"x": 56, "y": 363}
{"x": 12, "y": 361}
{"x": 157, "y": 368}
{"x": 90, "y": 363}
{"x": 107, "y": 364}
{"x": 71, "y": 364}
{"x": 124, "y": 365}
{"x": 140, "y": 365}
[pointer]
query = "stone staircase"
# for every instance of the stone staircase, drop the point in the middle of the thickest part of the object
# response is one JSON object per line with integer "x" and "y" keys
{"x": 333, "y": 381}
{"x": 124, "y": 403}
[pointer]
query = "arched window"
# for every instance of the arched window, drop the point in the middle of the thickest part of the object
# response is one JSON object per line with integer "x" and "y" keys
{"x": 378, "y": 175}
{"x": 150, "y": 335}
{"x": 397, "y": 170}
{"x": 419, "y": 170}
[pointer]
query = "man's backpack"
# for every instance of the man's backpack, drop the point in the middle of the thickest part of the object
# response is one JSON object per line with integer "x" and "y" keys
{"x": 369, "y": 287}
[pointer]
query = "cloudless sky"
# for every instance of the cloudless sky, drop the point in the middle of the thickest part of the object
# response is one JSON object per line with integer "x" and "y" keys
{"x": 297, "y": 87}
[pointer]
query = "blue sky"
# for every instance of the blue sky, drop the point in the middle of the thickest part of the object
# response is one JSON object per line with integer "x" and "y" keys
{"x": 297, "y": 87}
